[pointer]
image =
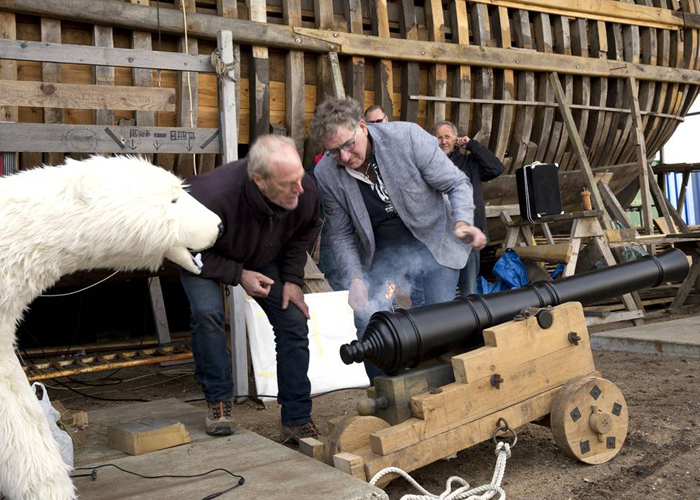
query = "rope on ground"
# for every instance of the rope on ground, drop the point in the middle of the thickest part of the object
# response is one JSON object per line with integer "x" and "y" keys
{"x": 464, "y": 492}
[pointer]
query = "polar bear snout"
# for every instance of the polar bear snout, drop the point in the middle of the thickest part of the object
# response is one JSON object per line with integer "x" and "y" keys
{"x": 199, "y": 226}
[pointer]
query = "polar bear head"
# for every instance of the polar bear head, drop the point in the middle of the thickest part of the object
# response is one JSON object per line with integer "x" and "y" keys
{"x": 119, "y": 212}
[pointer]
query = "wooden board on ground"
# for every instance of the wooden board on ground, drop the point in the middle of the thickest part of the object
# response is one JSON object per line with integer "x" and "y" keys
{"x": 147, "y": 435}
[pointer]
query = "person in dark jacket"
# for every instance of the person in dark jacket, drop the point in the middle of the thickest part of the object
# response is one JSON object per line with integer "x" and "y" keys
{"x": 480, "y": 165}
{"x": 270, "y": 211}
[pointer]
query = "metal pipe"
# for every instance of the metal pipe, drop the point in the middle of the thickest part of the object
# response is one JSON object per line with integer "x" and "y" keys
{"x": 404, "y": 338}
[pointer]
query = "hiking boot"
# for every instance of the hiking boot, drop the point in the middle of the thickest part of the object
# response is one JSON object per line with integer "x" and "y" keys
{"x": 293, "y": 433}
{"x": 219, "y": 420}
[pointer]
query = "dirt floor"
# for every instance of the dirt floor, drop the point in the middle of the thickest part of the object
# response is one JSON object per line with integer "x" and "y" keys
{"x": 660, "y": 459}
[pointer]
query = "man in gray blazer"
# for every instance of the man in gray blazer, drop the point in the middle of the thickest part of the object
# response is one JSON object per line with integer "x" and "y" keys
{"x": 395, "y": 206}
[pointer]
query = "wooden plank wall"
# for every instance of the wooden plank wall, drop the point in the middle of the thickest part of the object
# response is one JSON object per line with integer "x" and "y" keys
{"x": 288, "y": 83}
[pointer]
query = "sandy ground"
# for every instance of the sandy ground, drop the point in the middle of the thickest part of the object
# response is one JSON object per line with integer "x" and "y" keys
{"x": 660, "y": 459}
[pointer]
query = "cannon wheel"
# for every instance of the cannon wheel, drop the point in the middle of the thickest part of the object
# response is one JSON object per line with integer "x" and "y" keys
{"x": 589, "y": 419}
{"x": 352, "y": 433}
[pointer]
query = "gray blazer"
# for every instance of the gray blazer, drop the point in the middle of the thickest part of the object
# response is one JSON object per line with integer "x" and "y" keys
{"x": 429, "y": 193}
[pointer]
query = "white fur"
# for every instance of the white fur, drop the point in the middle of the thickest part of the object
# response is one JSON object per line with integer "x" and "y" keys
{"x": 121, "y": 213}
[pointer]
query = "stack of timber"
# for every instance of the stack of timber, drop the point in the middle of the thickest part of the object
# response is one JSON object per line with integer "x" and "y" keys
{"x": 484, "y": 64}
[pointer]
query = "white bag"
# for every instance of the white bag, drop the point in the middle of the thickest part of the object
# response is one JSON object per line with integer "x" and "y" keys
{"x": 63, "y": 439}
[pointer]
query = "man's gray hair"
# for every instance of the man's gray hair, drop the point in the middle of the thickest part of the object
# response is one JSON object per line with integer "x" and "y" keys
{"x": 332, "y": 114}
{"x": 260, "y": 152}
{"x": 444, "y": 122}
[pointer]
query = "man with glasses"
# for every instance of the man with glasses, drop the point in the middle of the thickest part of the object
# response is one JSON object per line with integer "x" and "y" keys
{"x": 480, "y": 165}
{"x": 376, "y": 114}
{"x": 383, "y": 190}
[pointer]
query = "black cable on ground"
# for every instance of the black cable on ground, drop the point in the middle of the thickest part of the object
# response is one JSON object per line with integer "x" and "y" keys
{"x": 93, "y": 475}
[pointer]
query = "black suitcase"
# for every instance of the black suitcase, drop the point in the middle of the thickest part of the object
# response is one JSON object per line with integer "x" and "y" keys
{"x": 538, "y": 190}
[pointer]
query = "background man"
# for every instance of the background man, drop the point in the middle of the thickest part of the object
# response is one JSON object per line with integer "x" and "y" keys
{"x": 382, "y": 190}
{"x": 270, "y": 210}
{"x": 480, "y": 165}
{"x": 376, "y": 114}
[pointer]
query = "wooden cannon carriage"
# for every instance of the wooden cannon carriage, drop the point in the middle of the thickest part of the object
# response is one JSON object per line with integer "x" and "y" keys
{"x": 532, "y": 369}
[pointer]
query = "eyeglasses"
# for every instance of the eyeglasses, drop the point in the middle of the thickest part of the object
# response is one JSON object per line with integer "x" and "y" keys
{"x": 377, "y": 121}
{"x": 335, "y": 153}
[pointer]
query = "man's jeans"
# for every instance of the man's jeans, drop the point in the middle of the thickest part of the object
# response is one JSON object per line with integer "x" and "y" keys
{"x": 212, "y": 361}
{"x": 433, "y": 283}
{"x": 468, "y": 275}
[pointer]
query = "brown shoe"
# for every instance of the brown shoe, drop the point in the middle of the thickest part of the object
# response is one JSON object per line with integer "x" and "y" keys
{"x": 293, "y": 433}
{"x": 219, "y": 421}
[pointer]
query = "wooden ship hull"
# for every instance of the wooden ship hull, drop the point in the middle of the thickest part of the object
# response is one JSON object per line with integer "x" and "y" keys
{"x": 484, "y": 64}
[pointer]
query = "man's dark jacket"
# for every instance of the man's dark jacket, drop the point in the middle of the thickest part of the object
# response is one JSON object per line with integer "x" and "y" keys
{"x": 480, "y": 165}
{"x": 256, "y": 232}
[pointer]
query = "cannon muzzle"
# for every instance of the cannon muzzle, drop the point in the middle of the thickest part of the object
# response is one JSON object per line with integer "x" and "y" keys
{"x": 402, "y": 339}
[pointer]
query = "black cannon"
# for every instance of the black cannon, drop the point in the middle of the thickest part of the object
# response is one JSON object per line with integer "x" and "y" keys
{"x": 404, "y": 338}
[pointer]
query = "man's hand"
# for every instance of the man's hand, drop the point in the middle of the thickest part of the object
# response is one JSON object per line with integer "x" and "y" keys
{"x": 291, "y": 292}
{"x": 470, "y": 234}
{"x": 462, "y": 141}
{"x": 358, "y": 297}
{"x": 256, "y": 284}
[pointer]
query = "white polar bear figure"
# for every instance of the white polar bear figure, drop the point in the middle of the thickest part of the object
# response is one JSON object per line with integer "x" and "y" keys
{"x": 120, "y": 213}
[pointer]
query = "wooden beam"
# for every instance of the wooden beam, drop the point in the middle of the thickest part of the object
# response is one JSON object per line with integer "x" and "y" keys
{"x": 294, "y": 81}
{"x": 437, "y": 79}
{"x": 676, "y": 167}
{"x": 576, "y": 142}
{"x": 355, "y": 67}
{"x": 323, "y": 14}
{"x": 78, "y": 96}
{"x": 51, "y": 73}
{"x": 494, "y": 57}
{"x": 229, "y": 9}
{"x": 558, "y": 252}
{"x": 410, "y": 72}
{"x": 259, "y": 79}
{"x": 383, "y": 70}
{"x": 23, "y": 50}
{"x": 144, "y": 18}
{"x": 606, "y": 10}
{"x": 103, "y": 75}
{"x": 684, "y": 188}
{"x": 8, "y": 69}
{"x": 613, "y": 205}
{"x": 141, "y": 77}
{"x": 188, "y": 93}
{"x": 461, "y": 83}
{"x": 40, "y": 137}
{"x": 336, "y": 86}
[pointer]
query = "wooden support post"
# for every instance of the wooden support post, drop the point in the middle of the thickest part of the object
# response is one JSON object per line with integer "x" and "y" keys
{"x": 410, "y": 76}
{"x": 437, "y": 80}
{"x": 323, "y": 14}
{"x": 51, "y": 73}
{"x": 229, "y": 9}
{"x": 577, "y": 143}
{"x": 294, "y": 85}
{"x": 504, "y": 119}
{"x": 229, "y": 147}
{"x": 259, "y": 79}
{"x": 483, "y": 87}
{"x": 160, "y": 318}
{"x": 140, "y": 77}
{"x": 336, "y": 77}
{"x": 383, "y": 70}
{"x": 187, "y": 89}
{"x": 684, "y": 187}
{"x": 650, "y": 180}
{"x": 462, "y": 82}
{"x": 355, "y": 69}
{"x": 104, "y": 75}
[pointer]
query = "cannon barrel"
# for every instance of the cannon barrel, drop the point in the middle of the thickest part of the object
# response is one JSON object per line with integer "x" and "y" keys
{"x": 402, "y": 339}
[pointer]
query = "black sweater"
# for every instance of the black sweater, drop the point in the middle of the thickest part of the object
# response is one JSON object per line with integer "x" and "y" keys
{"x": 480, "y": 165}
{"x": 256, "y": 232}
